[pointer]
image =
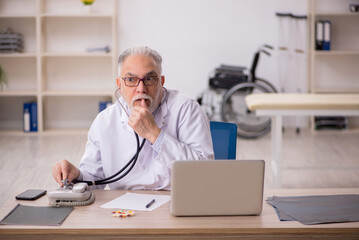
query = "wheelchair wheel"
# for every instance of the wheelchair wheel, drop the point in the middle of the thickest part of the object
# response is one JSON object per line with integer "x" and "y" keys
{"x": 267, "y": 85}
{"x": 234, "y": 109}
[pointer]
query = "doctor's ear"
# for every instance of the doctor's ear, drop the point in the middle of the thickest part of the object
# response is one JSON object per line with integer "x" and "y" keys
{"x": 118, "y": 81}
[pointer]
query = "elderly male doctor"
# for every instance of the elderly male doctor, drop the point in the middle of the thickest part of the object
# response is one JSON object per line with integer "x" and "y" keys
{"x": 174, "y": 126}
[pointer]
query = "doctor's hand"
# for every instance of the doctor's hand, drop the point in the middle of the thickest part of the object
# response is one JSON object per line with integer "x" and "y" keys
{"x": 143, "y": 122}
{"x": 65, "y": 170}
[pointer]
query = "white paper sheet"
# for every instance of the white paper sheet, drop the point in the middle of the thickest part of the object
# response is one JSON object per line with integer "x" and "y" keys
{"x": 136, "y": 201}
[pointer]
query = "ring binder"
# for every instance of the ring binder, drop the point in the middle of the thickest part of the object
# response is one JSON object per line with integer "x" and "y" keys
{"x": 30, "y": 117}
{"x": 327, "y": 35}
{"x": 319, "y": 36}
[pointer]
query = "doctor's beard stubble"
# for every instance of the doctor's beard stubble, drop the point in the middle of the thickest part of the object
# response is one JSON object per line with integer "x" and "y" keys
{"x": 154, "y": 102}
{"x": 142, "y": 96}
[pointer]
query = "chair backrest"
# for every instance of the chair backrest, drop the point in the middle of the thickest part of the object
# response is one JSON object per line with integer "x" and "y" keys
{"x": 224, "y": 138}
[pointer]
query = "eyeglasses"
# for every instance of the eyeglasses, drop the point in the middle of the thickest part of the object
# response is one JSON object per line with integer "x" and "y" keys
{"x": 135, "y": 81}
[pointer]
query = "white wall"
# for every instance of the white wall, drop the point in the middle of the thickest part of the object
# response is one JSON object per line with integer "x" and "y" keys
{"x": 195, "y": 36}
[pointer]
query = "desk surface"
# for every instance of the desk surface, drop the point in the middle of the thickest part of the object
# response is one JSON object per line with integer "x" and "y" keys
{"x": 94, "y": 222}
{"x": 292, "y": 101}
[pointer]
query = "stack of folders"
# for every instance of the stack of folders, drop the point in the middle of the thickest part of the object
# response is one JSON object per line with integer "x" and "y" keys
{"x": 10, "y": 42}
{"x": 316, "y": 209}
{"x": 104, "y": 105}
{"x": 30, "y": 117}
{"x": 323, "y": 35}
{"x": 331, "y": 122}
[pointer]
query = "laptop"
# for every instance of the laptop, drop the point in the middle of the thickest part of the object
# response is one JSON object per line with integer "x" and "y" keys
{"x": 217, "y": 187}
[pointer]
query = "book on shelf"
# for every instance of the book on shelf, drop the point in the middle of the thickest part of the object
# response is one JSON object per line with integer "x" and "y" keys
{"x": 30, "y": 117}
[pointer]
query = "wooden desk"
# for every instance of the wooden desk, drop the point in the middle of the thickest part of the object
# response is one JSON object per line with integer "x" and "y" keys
{"x": 92, "y": 222}
{"x": 278, "y": 105}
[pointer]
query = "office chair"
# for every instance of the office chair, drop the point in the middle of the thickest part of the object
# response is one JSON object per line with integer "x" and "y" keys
{"x": 224, "y": 138}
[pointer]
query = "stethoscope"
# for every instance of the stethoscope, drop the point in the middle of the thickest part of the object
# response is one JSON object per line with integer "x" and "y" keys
{"x": 130, "y": 164}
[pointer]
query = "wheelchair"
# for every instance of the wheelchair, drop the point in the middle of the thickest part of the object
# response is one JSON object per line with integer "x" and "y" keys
{"x": 225, "y": 98}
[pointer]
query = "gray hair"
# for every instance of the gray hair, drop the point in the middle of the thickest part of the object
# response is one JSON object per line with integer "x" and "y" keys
{"x": 144, "y": 51}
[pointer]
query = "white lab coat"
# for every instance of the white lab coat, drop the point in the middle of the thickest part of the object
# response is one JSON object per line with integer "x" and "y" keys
{"x": 185, "y": 135}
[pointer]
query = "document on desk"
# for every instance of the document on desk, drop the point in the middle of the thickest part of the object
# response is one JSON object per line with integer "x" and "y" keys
{"x": 136, "y": 201}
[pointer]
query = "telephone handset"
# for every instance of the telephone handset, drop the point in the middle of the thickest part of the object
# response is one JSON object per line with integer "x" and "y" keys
{"x": 71, "y": 195}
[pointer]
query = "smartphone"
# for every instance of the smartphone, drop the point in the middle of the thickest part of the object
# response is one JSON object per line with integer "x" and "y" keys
{"x": 31, "y": 194}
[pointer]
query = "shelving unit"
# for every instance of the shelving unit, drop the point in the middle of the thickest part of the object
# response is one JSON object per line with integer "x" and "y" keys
{"x": 55, "y": 69}
{"x": 335, "y": 71}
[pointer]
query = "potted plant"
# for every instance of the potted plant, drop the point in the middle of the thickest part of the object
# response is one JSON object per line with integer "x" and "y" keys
{"x": 3, "y": 80}
{"x": 87, "y": 5}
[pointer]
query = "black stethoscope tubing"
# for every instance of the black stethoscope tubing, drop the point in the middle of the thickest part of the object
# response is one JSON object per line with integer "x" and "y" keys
{"x": 133, "y": 161}
{"x": 108, "y": 179}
